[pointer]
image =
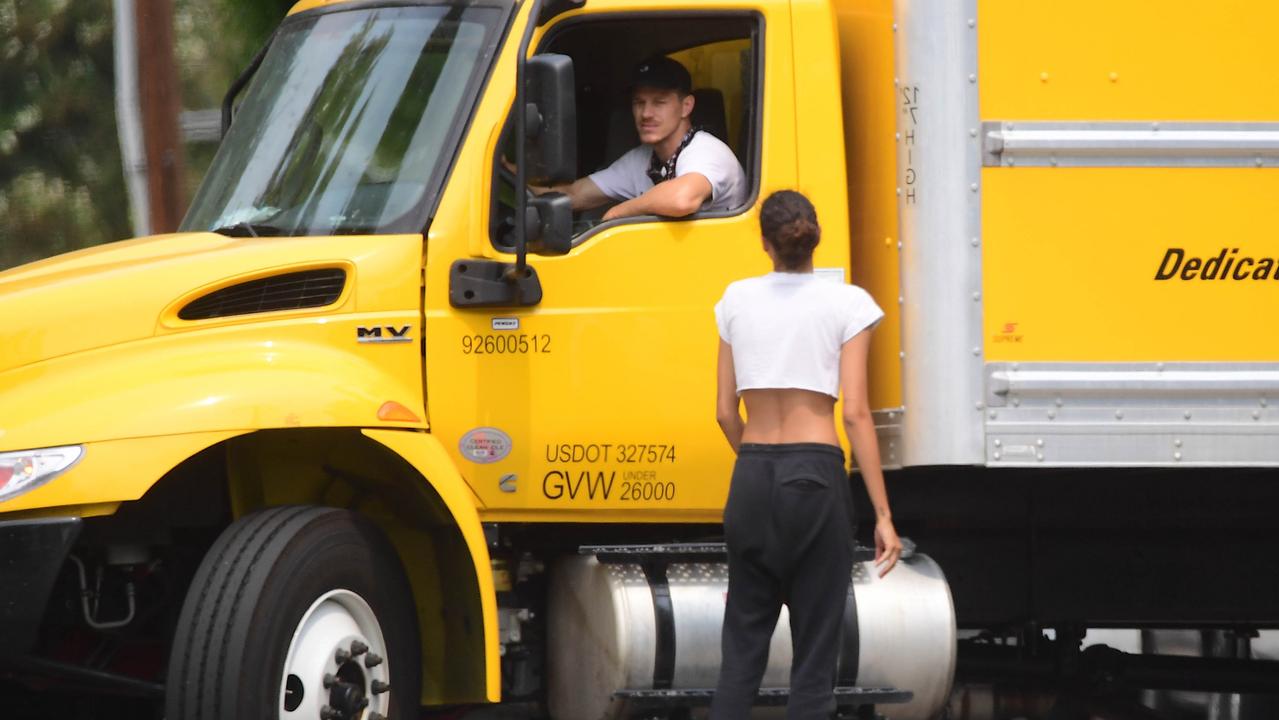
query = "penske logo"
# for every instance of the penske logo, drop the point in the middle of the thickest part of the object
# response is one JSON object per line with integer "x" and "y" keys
{"x": 1225, "y": 265}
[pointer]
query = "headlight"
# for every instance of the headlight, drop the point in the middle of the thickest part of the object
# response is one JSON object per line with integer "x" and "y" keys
{"x": 29, "y": 469}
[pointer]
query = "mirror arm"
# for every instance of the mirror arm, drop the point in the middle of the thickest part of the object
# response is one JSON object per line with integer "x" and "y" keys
{"x": 228, "y": 100}
{"x": 520, "y": 270}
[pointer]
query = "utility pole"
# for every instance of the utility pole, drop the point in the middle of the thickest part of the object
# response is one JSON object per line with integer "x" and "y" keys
{"x": 159, "y": 100}
{"x": 128, "y": 116}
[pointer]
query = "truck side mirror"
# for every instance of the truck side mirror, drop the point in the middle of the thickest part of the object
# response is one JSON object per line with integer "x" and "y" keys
{"x": 550, "y": 119}
{"x": 550, "y": 224}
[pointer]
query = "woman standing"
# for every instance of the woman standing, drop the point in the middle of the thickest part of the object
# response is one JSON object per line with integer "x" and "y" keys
{"x": 789, "y": 342}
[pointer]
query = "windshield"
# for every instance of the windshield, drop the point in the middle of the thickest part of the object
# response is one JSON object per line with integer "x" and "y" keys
{"x": 347, "y": 123}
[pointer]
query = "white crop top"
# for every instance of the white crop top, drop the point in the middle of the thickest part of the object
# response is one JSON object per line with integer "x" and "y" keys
{"x": 787, "y": 329}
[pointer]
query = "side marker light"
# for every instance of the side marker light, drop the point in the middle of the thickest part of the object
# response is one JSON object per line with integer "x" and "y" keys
{"x": 392, "y": 411}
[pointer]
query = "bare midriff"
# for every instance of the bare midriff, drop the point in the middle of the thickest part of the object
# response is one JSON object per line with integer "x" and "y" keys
{"x": 789, "y": 416}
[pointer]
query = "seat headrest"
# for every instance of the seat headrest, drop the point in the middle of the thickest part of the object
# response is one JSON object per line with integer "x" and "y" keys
{"x": 708, "y": 112}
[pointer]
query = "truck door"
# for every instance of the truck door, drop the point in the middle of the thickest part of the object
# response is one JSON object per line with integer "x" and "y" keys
{"x": 599, "y": 400}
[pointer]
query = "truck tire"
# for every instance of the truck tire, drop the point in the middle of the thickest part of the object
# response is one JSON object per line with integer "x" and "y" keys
{"x": 297, "y": 613}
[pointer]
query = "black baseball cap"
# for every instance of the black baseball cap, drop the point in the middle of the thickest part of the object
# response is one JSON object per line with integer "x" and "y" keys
{"x": 662, "y": 73}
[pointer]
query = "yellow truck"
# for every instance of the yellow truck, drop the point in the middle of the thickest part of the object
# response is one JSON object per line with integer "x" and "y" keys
{"x": 375, "y": 431}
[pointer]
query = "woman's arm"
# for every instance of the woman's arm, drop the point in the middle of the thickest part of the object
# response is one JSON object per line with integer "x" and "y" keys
{"x": 727, "y": 406}
{"x": 860, "y": 428}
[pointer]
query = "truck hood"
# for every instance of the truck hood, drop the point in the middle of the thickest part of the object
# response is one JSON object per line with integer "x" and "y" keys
{"x": 131, "y": 290}
{"x": 95, "y": 348}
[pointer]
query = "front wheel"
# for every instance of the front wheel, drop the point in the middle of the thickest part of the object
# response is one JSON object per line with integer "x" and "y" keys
{"x": 297, "y": 613}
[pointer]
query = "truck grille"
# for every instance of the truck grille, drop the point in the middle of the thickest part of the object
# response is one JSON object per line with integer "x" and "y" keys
{"x": 291, "y": 291}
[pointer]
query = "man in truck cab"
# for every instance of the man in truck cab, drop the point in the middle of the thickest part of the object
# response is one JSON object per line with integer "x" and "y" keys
{"x": 677, "y": 169}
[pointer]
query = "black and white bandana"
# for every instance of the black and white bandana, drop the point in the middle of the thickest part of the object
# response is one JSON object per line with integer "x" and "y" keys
{"x": 660, "y": 172}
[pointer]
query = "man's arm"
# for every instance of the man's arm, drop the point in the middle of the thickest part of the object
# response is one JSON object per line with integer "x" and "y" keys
{"x": 583, "y": 193}
{"x": 680, "y": 197}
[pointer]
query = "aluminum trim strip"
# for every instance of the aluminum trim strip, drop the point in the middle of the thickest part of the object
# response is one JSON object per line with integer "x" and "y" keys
{"x": 1130, "y": 144}
{"x": 1108, "y": 447}
{"x": 1136, "y": 382}
{"x": 1205, "y": 414}
{"x": 939, "y": 200}
{"x": 1032, "y": 383}
{"x": 888, "y": 432}
{"x": 1040, "y": 428}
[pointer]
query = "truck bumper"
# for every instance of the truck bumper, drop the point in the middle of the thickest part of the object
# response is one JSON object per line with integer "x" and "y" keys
{"x": 31, "y": 555}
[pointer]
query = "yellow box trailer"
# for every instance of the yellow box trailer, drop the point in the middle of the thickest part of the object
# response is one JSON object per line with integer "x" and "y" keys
{"x": 376, "y": 431}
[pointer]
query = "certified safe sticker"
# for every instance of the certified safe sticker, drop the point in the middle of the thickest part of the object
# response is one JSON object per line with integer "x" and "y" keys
{"x": 485, "y": 445}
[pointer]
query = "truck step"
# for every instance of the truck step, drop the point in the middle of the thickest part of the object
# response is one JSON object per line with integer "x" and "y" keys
{"x": 858, "y": 702}
{"x": 685, "y": 552}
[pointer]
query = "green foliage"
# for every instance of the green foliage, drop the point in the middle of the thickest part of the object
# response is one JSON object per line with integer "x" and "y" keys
{"x": 61, "y": 180}
{"x": 249, "y": 23}
{"x": 61, "y": 184}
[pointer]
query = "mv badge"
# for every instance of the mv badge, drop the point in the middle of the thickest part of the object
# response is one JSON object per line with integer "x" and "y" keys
{"x": 384, "y": 334}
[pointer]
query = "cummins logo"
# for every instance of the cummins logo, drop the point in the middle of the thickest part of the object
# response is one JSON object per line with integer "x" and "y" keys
{"x": 384, "y": 334}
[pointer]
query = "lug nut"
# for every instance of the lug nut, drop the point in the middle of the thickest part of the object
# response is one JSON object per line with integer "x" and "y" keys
{"x": 358, "y": 648}
{"x": 329, "y": 680}
{"x": 376, "y": 716}
{"x": 372, "y": 660}
{"x": 328, "y": 713}
{"x": 380, "y": 687}
{"x": 342, "y": 657}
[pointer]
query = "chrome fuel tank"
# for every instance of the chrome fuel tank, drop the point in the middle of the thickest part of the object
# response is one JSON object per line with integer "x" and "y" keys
{"x": 614, "y": 626}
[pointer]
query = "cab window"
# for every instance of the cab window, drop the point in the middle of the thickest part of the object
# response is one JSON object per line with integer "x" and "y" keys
{"x": 723, "y": 56}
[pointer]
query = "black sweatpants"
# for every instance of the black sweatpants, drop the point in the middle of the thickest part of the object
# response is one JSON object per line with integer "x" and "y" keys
{"x": 789, "y": 528}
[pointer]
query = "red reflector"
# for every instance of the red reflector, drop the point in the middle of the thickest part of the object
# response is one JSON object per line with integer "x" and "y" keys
{"x": 392, "y": 411}
{"x": 6, "y": 474}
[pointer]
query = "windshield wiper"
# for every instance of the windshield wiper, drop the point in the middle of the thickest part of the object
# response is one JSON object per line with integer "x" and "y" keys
{"x": 246, "y": 229}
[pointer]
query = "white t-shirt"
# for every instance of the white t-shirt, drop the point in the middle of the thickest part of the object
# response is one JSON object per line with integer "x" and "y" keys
{"x": 787, "y": 329}
{"x": 628, "y": 177}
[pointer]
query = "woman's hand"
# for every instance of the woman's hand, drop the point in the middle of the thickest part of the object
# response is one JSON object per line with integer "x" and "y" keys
{"x": 888, "y": 547}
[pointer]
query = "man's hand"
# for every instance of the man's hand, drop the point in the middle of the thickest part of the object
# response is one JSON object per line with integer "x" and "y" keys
{"x": 514, "y": 171}
{"x": 676, "y": 198}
